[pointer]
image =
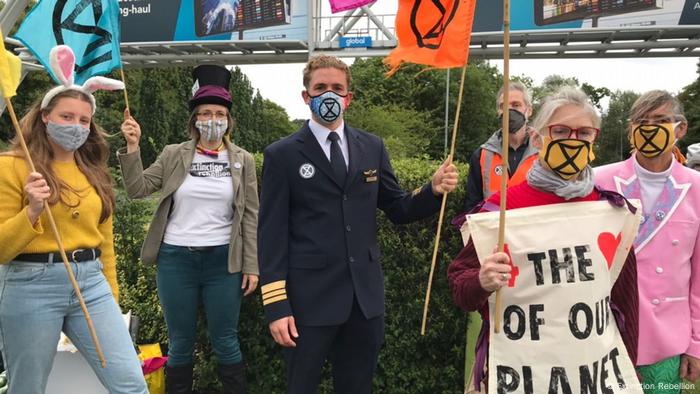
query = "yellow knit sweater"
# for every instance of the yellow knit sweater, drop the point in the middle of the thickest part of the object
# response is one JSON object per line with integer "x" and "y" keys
{"x": 78, "y": 226}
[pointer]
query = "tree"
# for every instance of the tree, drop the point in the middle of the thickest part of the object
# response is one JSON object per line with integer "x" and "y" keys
{"x": 612, "y": 144}
{"x": 259, "y": 121}
{"x": 242, "y": 109}
{"x": 690, "y": 98}
{"x": 30, "y": 91}
{"x": 596, "y": 94}
{"x": 417, "y": 88}
{"x": 272, "y": 125}
{"x": 555, "y": 82}
{"x": 406, "y": 132}
{"x": 549, "y": 86}
{"x": 158, "y": 100}
{"x": 478, "y": 118}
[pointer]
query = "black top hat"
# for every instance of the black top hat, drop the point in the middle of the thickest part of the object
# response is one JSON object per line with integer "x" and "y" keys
{"x": 211, "y": 86}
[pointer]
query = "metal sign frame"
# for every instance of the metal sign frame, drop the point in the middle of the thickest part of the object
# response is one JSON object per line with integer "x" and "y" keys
{"x": 631, "y": 42}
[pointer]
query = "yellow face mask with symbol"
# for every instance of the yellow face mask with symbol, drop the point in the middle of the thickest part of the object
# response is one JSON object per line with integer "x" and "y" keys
{"x": 566, "y": 157}
{"x": 652, "y": 140}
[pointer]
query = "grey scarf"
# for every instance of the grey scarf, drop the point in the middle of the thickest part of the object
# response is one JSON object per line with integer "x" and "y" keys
{"x": 544, "y": 179}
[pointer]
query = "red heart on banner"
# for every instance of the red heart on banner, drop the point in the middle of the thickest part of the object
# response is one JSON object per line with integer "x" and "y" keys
{"x": 608, "y": 244}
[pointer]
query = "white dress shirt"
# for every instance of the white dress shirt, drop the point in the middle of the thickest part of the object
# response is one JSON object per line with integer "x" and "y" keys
{"x": 321, "y": 133}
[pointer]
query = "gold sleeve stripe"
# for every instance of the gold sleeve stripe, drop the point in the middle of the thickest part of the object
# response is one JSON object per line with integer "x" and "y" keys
{"x": 273, "y": 286}
{"x": 275, "y": 299}
{"x": 273, "y": 293}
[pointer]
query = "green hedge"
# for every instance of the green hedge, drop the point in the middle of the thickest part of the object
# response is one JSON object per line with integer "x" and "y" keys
{"x": 408, "y": 363}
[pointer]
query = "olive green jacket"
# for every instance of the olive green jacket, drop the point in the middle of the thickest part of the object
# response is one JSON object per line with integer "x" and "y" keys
{"x": 166, "y": 175}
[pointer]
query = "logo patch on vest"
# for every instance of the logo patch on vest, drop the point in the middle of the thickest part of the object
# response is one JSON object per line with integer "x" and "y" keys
{"x": 498, "y": 170}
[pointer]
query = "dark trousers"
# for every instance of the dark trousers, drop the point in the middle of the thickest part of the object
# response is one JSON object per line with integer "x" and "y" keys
{"x": 352, "y": 348}
{"x": 187, "y": 278}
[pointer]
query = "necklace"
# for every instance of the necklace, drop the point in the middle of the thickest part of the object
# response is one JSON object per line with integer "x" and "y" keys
{"x": 211, "y": 153}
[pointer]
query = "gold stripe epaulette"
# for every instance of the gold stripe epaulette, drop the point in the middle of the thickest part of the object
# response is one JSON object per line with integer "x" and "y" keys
{"x": 274, "y": 292}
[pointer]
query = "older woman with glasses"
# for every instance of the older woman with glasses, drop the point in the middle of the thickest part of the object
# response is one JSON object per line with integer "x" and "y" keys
{"x": 668, "y": 243}
{"x": 567, "y": 126}
{"x": 203, "y": 233}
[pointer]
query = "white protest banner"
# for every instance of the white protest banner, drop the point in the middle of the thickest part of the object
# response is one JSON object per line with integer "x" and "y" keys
{"x": 558, "y": 333}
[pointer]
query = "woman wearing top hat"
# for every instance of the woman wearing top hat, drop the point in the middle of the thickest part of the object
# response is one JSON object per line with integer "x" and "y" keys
{"x": 203, "y": 233}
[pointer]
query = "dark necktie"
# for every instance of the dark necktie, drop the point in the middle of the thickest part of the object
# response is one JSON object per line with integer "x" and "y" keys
{"x": 337, "y": 160}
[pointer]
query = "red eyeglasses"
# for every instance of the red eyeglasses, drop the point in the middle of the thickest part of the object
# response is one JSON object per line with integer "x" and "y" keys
{"x": 560, "y": 131}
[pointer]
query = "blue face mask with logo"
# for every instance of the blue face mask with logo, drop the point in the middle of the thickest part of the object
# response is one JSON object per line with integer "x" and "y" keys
{"x": 328, "y": 107}
{"x": 70, "y": 137}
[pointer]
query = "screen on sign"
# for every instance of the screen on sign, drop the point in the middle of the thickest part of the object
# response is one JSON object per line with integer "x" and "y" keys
{"x": 556, "y": 11}
{"x": 224, "y": 16}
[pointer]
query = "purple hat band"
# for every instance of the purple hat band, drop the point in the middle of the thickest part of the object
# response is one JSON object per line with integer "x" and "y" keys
{"x": 211, "y": 94}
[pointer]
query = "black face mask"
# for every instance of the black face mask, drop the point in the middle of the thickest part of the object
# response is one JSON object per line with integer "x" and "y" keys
{"x": 516, "y": 120}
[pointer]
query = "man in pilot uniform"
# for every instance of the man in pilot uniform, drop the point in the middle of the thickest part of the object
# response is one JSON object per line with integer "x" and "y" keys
{"x": 322, "y": 282}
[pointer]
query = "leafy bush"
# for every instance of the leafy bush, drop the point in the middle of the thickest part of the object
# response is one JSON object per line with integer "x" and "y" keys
{"x": 408, "y": 363}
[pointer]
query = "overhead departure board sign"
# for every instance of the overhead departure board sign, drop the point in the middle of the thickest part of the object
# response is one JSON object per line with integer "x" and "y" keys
{"x": 554, "y": 11}
{"x": 586, "y": 14}
{"x": 192, "y": 20}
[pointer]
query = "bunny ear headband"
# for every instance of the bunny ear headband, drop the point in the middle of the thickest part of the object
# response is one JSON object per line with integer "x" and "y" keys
{"x": 62, "y": 63}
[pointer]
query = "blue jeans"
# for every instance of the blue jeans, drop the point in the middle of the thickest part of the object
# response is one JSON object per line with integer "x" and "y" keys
{"x": 185, "y": 278}
{"x": 37, "y": 302}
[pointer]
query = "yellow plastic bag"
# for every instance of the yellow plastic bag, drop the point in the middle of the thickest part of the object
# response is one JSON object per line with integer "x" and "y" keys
{"x": 153, "y": 365}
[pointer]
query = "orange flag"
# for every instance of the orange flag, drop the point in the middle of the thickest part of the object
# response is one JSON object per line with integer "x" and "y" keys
{"x": 432, "y": 32}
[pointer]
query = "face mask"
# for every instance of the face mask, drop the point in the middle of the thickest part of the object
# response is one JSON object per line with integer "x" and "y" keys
{"x": 328, "y": 107}
{"x": 567, "y": 157}
{"x": 212, "y": 130}
{"x": 652, "y": 140}
{"x": 68, "y": 136}
{"x": 516, "y": 120}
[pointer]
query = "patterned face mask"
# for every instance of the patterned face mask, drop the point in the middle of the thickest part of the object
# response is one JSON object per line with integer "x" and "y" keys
{"x": 652, "y": 140}
{"x": 328, "y": 107}
{"x": 68, "y": 136}
{"x": 212, "y": 130}
{"x": 566, "y": 157}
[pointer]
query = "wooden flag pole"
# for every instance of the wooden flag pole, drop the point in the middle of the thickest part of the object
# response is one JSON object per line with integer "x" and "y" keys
{"x": 444, "y": 202}
{"x": 126, "y": 96}
{"x": 504, "y": 151}
{"x": 57, "y": 236}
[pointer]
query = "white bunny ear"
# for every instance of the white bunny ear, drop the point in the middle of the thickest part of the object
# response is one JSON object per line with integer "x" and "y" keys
{"x": 62, "y": 62}
{"x": 102, "y": 83}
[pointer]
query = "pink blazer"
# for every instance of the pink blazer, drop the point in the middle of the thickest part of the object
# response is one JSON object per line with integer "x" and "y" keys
{"x": 668, "y": 261}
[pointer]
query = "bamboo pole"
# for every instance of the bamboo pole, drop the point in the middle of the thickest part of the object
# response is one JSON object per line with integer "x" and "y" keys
{"x": 57, "y": 236}
{"x": 444, "y": 202}
{"x": 126, "y": 96}
{"x": 504, "y": 151}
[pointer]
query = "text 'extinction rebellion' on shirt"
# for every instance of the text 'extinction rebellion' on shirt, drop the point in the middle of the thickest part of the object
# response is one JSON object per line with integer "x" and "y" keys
{"x": 202, "y": 212}
{"x": 211, "y": 169}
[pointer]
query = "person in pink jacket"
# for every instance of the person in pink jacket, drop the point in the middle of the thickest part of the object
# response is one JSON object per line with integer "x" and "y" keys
{"x": 668, "y": 243}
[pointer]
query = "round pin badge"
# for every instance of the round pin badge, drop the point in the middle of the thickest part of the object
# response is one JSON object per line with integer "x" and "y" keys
{"x": 236, "y": 165}
{"x": 307, "y": 170}
{"x": 498, "y": 170}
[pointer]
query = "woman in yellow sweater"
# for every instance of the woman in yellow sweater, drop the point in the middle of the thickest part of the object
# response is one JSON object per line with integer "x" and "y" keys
{"x": 37, "y": 301}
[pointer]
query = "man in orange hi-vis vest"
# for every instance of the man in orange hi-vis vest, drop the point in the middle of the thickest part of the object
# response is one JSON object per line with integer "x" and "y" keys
{"x": 485, "y": 165}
